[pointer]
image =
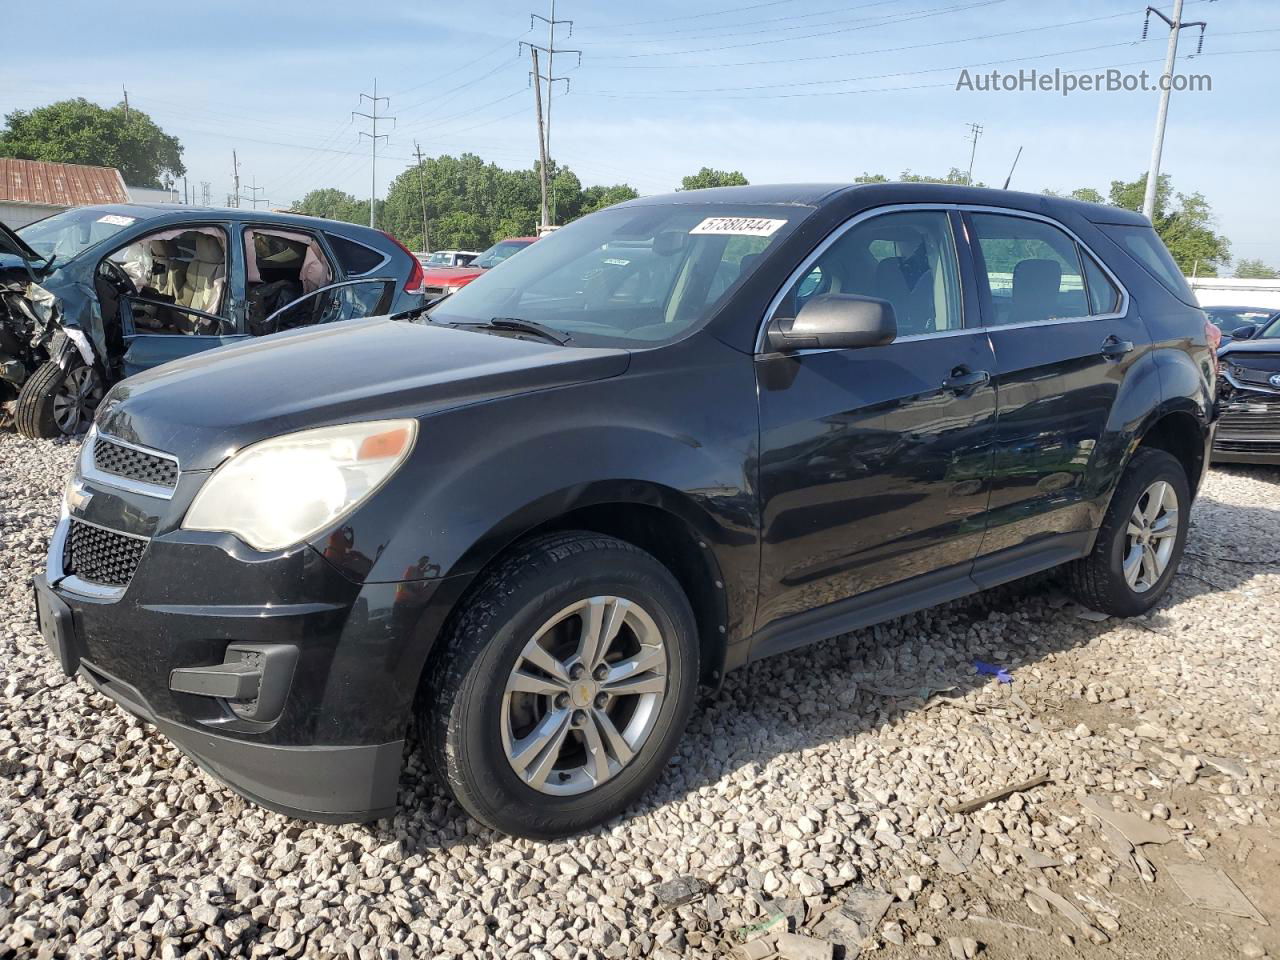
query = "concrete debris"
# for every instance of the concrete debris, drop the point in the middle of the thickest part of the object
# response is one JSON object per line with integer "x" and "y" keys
{"x": 1210, "y": 889}
{"x": 1134, "y": 829}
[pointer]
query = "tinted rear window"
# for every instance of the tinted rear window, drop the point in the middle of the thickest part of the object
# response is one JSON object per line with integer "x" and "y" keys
{"x": 1143, "y": 245}
{"x": 356, "y": 258}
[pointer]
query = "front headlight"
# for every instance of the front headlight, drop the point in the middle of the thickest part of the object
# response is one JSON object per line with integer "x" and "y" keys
{"x": 279, "y": 492}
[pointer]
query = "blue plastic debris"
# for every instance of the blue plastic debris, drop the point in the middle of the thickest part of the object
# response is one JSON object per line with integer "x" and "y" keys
{"x": 1000, "y": 673}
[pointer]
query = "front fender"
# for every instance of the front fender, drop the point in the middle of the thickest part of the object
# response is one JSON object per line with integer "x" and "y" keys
{"x": 681, "y": 438}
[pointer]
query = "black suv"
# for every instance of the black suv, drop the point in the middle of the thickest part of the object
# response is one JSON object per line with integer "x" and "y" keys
{"x": 677, "y": 435}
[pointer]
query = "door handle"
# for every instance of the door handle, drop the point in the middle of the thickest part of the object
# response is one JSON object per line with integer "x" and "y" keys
{"x": 1113, "y": 348}
{"x": 963, "y": 379}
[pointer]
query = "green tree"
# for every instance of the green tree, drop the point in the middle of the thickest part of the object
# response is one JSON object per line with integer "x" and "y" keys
{"x": 1184, "y": 221}
{"x": 597, "y": 198}
{"x": 471, "y": 204}
{"x": 77, "y": 131}
{"x": 955, "y": 175}
{"x": 707, "y": 177}
{"x": 333, "y": 204}
{"x": 1248, "y": 269}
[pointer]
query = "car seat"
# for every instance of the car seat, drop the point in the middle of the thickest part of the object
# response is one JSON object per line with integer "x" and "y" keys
{"x": 206, "y": 272}
{"x": 1035, "y": 290}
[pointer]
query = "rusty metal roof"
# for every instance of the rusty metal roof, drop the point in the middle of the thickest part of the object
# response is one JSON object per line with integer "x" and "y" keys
{"x": 59, "y": 184}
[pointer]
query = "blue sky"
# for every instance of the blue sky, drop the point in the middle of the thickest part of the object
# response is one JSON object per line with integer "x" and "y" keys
{"x": 784, "y": 90}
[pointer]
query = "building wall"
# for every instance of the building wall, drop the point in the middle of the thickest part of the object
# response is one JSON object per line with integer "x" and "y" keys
{"x": 1231, "y": 292}
{"x": 14, "y": 215}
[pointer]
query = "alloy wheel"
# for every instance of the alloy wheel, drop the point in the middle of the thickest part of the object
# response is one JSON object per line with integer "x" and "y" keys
{"x": 77, "y": 399}
{"x": 584, "y": 695}
{"x": 1150, "y": 536}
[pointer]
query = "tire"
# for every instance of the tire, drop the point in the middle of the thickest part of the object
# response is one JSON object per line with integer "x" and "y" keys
{"x": 1099, "y": 580}
{"x": 472, "y": 725}
{"x": 56, "y": 402}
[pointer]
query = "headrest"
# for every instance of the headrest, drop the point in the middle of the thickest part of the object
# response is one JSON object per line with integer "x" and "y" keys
{"x": 1037, "y": 278}
{"x": 208, "y": 249}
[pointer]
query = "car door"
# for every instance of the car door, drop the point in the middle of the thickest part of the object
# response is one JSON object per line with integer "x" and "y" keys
{"x": 874, "y": 462}
{"x": 184, "y": 297}
{"x": 1064, "y": 336}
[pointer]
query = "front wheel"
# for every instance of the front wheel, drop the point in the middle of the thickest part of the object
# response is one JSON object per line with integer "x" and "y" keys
{"x": 56, "y": 402}
{"x": 565, "y": 685}
{"x": 1140, "y": 542}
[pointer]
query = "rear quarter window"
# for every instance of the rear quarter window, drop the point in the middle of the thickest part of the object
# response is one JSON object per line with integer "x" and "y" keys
{"x": 356, "y": 258}
{"x": 1148, "y": 249}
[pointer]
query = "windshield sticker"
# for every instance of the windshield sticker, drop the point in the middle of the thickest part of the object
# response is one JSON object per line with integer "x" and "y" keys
{"x": 617, "y": 262}
{"x": 739, "y": 226}
{"x": 116, "y": 220}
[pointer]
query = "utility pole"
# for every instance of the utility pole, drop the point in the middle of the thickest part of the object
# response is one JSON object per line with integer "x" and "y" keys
{"x": 374, "y": 137}
{"x": 254, "y": 190}
{"x": 235, "y": 170}
{"x": 1162, "y": 111}
{"x": 975, "y": 131}
{"x": 205, "y": 193}
{"x": 126, "y": 102}
{"x": 543, "y": 219}
{"x": 550, "y": 50}
{"x": 422, "y": 195}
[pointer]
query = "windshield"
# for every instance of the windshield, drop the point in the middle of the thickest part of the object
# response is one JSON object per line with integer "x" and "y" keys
{"x": 439, "y": 260}
{"x": 640, "y": 275}
{"x": 1270, "y": 331}
{"x": 1230, "y": 319}
{"x": 68, "y": 234}
{"x": 502, "y": 250}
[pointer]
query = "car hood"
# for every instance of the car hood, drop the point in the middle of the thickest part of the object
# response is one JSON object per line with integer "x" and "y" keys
{"x": 13, "y": 244}
{"x": 205, "y": 407}
{"x": 1266, "y": 345}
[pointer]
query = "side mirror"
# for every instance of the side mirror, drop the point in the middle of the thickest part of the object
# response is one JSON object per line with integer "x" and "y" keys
{"x": 1244, "y": 332}
{"x": 836, "y": 321}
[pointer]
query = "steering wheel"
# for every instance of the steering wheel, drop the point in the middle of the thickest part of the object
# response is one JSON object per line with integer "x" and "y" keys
{"x": 116, "y": 275}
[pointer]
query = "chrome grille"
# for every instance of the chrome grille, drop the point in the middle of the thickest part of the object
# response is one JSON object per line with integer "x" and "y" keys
{"x": 1227, "y": 445}
{"x": 101, "y": 556}
{"x": 132, "y": 464}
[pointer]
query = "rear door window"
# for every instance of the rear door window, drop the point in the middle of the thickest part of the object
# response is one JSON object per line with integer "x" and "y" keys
{"x": 1104, "y": 295}
{"x": 1032, "y": 269}
{"x": 356, "y": 259}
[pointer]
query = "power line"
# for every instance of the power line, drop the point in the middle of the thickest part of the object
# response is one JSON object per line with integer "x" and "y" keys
{"x": 700, "y": 33}
{"x": 713, "y": 13}
{"x": 374, "y": 137}
{"x": 860, "y": 25}
{"x": 876, "y": 50}
{"x": 703, "y": 91}
{"x": 951, "y": 84}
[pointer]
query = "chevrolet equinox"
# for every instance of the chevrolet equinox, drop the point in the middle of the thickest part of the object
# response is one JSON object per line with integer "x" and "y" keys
{"x": 677, "y": 435}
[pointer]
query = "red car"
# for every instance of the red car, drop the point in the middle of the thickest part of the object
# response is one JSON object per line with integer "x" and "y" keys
{"x": 441, "y": 281}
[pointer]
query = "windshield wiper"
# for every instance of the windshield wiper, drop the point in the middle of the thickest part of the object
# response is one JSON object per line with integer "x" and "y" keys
{"x": 516, "y": 325}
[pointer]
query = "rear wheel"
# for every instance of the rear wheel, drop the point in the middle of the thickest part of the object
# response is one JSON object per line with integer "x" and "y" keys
{"x": 565, "y": 686}
{"x": 1140, "y": 543}
{"x": 56, "y": 402}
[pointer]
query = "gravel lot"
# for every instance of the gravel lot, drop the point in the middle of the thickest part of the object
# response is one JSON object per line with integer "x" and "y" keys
{"x": 810, "y": 783}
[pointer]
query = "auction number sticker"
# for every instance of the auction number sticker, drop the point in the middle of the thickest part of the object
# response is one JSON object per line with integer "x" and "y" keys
{"x": 739, "y": 226}
{"x": 116, "y": 220}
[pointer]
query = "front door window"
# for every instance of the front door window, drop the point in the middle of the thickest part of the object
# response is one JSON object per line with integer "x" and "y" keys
{"x": 172, "y": 282}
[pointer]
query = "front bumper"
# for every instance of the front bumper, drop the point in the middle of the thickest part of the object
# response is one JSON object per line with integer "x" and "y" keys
{"x": 332, "y": 750}
{"x": 1248, "y": 428}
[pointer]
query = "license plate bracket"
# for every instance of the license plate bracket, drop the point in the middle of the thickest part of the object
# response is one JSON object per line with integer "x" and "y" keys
{"x": 57, "y": 626}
